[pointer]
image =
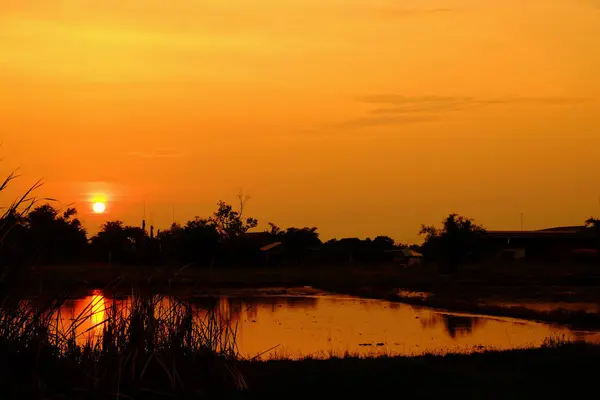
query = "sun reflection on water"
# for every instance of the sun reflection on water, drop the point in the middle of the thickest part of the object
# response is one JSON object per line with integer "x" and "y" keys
{"x": 97, "y": 311}
{"x": 319, "y": 324}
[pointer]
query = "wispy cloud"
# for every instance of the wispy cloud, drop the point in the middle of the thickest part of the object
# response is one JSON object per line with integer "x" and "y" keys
{"x": 398, "y": 109}
{"x": 385, "y": 120}
{"x": 410, "y": 12}
{"x": 157, "y": 153}
{"x": 427, "y": 101}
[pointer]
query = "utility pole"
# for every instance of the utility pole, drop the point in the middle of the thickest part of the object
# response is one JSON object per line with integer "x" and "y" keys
{"x": 521, "y": 222}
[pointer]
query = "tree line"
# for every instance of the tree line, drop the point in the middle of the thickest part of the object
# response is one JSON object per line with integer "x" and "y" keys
{"x": 46, "y": 235}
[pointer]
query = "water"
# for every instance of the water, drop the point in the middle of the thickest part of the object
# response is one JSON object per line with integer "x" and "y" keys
{"x": 303, "y": 322}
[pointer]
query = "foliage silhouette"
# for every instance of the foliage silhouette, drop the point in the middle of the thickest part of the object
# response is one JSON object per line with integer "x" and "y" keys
{"x": 300, "y": 242}
{"x": 118, "y": 243}
{"x": 197, "y": 242}
{"x": 457, "y": 242}
{"x": 593, "y": 225}
{"x": 231, "y": 223}
{"x": 384, "y": 243}
{"x": 45, "y": 236}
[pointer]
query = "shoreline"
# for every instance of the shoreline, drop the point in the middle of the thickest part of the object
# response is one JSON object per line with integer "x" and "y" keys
{"x": 561, "y": 371}
{"x": 576, "y": 320}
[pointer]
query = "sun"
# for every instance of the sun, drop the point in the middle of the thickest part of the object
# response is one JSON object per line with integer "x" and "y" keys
{"x": 99, "y": 207}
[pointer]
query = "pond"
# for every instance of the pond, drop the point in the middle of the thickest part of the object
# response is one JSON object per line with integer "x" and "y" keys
{"x": 305, "y": 322}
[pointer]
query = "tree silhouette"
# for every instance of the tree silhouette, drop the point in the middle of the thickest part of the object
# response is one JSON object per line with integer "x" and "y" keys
{"x": 274, "y": 230}
{"x": 593, "y": 223}
{"x": 300, "y": 241}
{"x": 230, "y": 223}
{"x": 384, "y": 243}
{"x": 457, "y": 242}
{"x": 200, "y": 241}
{"x": 118, "y": 243}
{"x": 52, "y": 237}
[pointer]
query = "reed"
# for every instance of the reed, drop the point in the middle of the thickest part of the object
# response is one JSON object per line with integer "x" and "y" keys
{"x": 152, "y": 347}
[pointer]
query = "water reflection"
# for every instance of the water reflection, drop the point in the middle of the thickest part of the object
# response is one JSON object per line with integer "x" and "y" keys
{"x": 246, "y": 308}
{"x": 457, "y": 324}
{"x": 454, "y": 325}
{"x": 325, "y": 324}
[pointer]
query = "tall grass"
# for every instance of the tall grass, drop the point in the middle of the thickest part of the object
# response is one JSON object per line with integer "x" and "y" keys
{"x": 153, "y": 347}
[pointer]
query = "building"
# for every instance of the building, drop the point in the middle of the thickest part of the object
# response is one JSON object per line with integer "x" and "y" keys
{"x": 560, "y": 243}
{"x": 406, "y": 257}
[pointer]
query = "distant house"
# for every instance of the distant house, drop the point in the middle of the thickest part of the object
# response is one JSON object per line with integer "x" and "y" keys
{"x": 265, "y": 247}
{"x": 544, "y": 244}
{"x": 261, "y": 238}
{"x": 406, "y": 257}
{"x": 273, "y": 253}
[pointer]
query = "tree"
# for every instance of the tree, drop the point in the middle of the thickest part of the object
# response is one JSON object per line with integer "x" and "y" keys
{"x": 52, "y": 237}
{"x": 300, "y": 241}
{"x": 230, "y": 223}
{"x": 593, "y": 223}
{"x": 119, "y": 243}
{"x": 274, "y": 230}
{"x": 197, "y": 242}
{"x": 457, "y": 242}
{"x": 200, "y": 241}
{"x": 384, "y": 243}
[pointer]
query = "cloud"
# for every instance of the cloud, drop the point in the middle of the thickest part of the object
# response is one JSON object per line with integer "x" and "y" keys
{"x": 398, "y": 109}
{"x": 385, "y": 120}
{"x": 158, "y": 153}
{"x": 396, "y": 104}
{"x": 409, "y": 12}
{"x": 416, "y": 105}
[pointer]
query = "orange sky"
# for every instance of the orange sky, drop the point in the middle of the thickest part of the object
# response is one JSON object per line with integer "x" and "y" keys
{"x": 361, "y": 117}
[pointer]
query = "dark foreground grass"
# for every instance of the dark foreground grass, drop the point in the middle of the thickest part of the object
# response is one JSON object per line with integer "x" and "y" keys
{"x": 562, "y": 371}
{"x": 155, "y": 348}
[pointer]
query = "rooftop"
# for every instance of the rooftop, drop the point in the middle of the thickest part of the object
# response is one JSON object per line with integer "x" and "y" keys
{"x": 548, "y": 232}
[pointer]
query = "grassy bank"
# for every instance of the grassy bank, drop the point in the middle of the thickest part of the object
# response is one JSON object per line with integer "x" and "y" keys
{"x": 565, "y": 371}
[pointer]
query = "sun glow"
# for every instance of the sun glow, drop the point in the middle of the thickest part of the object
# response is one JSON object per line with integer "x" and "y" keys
{"x": 99, "y": 207}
